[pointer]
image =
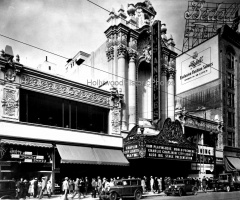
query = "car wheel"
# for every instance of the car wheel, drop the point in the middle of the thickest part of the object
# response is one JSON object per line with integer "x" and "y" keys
{"x": 137, "y": 194}
{"x": 195, "y": 191}
{"x": 180, "y": 192}
{"x": 113, "y": 196}
{"x": 228, "y": 188}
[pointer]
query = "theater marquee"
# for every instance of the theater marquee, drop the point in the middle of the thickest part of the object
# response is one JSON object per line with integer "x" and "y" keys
{"x": 198, "y": 66}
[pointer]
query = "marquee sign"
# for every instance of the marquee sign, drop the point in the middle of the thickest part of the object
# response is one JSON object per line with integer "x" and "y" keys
{"x": 170, "y": 143}
{"x": 158, "y": 151}
{"x": 198, "y": 66}
{"x": 204, "y": 18}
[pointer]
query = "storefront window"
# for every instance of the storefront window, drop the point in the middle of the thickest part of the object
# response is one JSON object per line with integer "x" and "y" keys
{"x": 54, "y": 111}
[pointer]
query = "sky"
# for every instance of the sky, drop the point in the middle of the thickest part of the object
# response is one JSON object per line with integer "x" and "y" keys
{"x": 66, "y": 27}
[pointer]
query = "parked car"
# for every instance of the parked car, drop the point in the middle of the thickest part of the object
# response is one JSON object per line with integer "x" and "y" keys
{"x": 7, "y": 189}
{"x": 182, "y": 187}
{"x": 123, "y": 188}
{"x": 229, "y": 181}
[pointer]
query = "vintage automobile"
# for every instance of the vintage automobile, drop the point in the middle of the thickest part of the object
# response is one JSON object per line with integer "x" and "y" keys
{"x": 229, "y": 181}
{"x": 123, "y": 188}
{"x": 182, "y": 187}
{"x": 7, "y": 189}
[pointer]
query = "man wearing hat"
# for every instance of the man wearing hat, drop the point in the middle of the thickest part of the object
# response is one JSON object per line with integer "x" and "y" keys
{"x": 99, "y": 185}
{"x": 65, "y": 188}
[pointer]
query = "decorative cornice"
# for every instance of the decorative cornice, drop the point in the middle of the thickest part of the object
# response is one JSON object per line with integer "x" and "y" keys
{"x": 63, "y": 90}
{"x": 121, "y": 51}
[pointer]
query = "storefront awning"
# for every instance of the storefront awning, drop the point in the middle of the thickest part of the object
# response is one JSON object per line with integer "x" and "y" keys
{"x": 110, "y": 157}
{"x": 89, "y": 155}
{"x": 26, "y": 143}
{"x": 232, "y": 163}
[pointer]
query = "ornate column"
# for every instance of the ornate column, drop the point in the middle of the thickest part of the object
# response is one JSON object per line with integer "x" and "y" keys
{"x": 132, "y": 96}
{"x": 122, "y": 82}
{"x": 171, "y": 83}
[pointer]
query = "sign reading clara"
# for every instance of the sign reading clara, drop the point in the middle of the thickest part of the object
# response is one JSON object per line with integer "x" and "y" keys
{"x": 197, "y": 66}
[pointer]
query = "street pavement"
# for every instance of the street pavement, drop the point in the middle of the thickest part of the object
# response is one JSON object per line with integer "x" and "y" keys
{"x": 89, "y": 197}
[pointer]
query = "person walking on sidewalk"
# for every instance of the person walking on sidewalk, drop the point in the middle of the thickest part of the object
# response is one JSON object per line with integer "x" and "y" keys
{"x": 86, "y": 185}
{"x": 99, "y": 185}
{"x": 152, "y": 184}
{"x": 94, "y": 188}
{"x": 65, "y": 188}
{"x": 76, "y": 188}
{"x": 44, "y": 186}
{"x": 143, "y": 184}
{"x": 204, "y": 184}
{"x": 49, "y": 189}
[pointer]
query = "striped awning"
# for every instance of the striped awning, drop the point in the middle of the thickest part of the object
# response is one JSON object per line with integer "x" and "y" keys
{"x": 26, "y": 143}
{"x": 89, "y": 155}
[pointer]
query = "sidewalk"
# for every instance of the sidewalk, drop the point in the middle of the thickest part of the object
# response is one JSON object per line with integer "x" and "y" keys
{"x": 89, "y": 197}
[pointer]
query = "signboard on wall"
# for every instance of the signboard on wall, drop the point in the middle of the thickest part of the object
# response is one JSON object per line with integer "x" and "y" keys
{"x": 198, "y": 66}
{"x": 156, "y": 66}
{"x": 158, "y": 151}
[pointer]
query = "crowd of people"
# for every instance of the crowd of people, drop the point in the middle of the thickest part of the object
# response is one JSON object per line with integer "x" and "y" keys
{"x": 36, "y": 188}
{"x": 82, "y": 186}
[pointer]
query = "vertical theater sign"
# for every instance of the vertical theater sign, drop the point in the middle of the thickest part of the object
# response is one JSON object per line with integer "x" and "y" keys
{"x": 170, "y": 143}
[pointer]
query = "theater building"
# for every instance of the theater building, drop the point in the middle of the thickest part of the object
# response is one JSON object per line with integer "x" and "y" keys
{"x": 54, "y": 127}
{"x": 208, "y": 87}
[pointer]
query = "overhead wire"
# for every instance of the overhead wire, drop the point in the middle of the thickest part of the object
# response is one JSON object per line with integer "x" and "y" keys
{"x": 195, "y": 103}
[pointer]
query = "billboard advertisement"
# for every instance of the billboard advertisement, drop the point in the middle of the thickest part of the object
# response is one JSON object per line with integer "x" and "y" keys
{"x": 198, "y": 66}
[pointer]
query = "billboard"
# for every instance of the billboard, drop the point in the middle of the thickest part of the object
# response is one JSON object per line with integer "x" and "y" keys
{"x": 198, "y": 66}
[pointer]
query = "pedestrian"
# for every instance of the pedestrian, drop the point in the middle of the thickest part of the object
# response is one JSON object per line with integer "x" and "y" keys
{"x": 160, "y": 184}
{"x": 99, "y": 185}
{"x": 20, "y": 188}
{"x": 81, "y": 187}
{"x": 199, "y": 184}
{"x": 204, "y": 184}
{"x": 143, "y": 184}
{"x": 49, "y": 189}
{"x": 71, "y": 186}
{"x": 26, "y": 189}
{"x": 35, "y": 188}
{"x": 94, "y": 188}
{"x": 156, "y": 185}
{"x": 44, "y": 187}
{"x": 65, "y": 188}
{"x": 152, "y": 184}
{"x": 86, "y": 185}
{"x": 76, "y": 189}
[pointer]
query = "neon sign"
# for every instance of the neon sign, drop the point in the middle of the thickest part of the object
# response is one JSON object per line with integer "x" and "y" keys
{"x": 203, "y": 19}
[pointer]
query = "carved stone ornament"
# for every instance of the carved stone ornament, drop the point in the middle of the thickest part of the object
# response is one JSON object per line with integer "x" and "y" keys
{"x": 132, "y": 54}
{"x": 10, "y": 102}
{"x": 147, "y": 53}
{"x": 10, "y": 75}
{"x": 64, "y": 90}
{"x": 121, "y": 51}
{"x": 116, "y": 100}
{"x": 110, "y": 53}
